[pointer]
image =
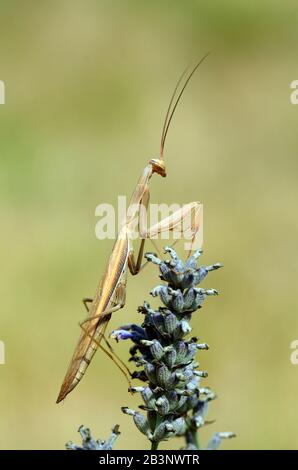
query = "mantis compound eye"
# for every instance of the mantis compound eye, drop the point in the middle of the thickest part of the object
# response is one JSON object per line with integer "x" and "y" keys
{"x": 158, "y": 166}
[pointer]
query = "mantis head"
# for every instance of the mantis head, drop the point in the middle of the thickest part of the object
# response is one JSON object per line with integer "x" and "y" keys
{"x": 158, "y": 166}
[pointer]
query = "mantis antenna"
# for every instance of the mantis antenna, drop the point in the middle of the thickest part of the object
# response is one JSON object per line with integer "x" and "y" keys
{"x": 169, "y": 113}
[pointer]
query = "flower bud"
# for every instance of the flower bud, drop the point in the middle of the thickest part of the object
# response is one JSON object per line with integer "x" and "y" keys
{"x": 164, "y": 376}
{"x": 161, "y": 431}
{"x": 150, "y": 372}
{"x": 170, "y": 358}
{"x": 156, "y": 350}
{"x": 170, "y": 322}
{"x": 162, "y": 405}
{"x": 148, "y": 397}
{"x": 141, "y": 423}
{"x": 177, "y": 301}
{"x": 179, "y": 426}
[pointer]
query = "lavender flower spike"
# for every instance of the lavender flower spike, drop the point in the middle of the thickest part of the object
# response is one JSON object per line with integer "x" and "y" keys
{"x": 174, "y": 401}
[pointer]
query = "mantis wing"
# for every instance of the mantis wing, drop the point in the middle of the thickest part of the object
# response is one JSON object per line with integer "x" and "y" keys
{"x": 109, "y": 297}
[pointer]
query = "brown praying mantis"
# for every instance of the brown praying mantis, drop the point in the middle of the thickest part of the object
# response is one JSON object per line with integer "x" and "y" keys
{"x": 111, "y": 291}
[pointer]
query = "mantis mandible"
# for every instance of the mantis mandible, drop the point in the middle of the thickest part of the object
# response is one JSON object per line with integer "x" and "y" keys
{"x": 111, "y": 291}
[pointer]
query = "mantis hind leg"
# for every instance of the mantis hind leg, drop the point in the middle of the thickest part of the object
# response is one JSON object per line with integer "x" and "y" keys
{"x": 86, "y": 301}
{"x": 116, "y": 355}
{"x": 104, "y": 317}
{"x": 111, "y": 354}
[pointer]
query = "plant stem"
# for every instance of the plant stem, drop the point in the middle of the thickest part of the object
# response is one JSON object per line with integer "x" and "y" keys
{"x": 154, "y": 445}
{"x": 195, "y": 438}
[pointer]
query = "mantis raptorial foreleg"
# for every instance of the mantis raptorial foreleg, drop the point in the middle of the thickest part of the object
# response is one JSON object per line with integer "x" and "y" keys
{"x": 136, "y": 266}
{"x": 133, "y": 265}
{"x": 189, "y": 217}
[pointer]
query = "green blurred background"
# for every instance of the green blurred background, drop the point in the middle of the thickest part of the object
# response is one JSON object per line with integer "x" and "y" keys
{"x": 87, "y": 85}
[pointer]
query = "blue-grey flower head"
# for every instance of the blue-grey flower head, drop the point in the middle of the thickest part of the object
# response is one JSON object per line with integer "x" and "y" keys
{"x": 88, "y": 443}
